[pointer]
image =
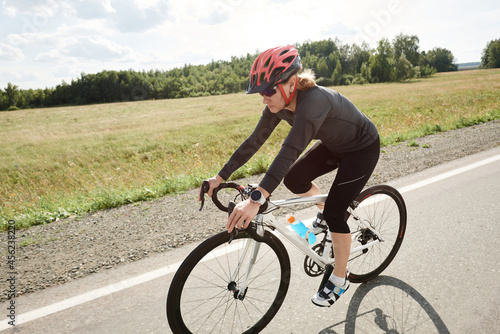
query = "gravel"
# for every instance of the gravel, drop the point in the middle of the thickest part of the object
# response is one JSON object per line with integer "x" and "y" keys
{"x": 68, "y": 249}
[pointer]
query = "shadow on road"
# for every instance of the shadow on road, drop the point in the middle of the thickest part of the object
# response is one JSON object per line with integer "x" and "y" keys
{"x": 388, "y": 305}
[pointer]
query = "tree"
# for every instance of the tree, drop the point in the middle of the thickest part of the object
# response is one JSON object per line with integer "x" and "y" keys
{"x": 491, "y": 55}
{"x": 359, "y": 55}
{"x": 309, "y": 61}
{"x": 365, "y": 73}
{"x": 4, "y": 104}
{"x": 427, "y": 71}
{"x": 12, "y": 92}
{"x": 407, "y": 46}
{"x": 322, "y": 68}
{"x": 404, "y": 69}
{"x": 381, "y": 63}
{"x": 441, "y": 59}
{"x": 321, "y": 49}
{"x": 337, "y": 74}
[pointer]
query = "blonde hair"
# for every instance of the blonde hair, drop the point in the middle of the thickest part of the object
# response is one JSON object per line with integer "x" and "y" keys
{"x": 306, "y": 80}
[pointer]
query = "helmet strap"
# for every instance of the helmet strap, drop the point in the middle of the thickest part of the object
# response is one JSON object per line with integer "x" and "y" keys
{"x": 292, "y": 95}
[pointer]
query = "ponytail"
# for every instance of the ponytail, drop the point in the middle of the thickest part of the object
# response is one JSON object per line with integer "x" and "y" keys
{"x": 306, "y": 80}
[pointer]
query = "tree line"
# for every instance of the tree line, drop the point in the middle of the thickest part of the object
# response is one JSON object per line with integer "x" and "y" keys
{"x": 491, "y": 55}
{"x": 333, "y": 62}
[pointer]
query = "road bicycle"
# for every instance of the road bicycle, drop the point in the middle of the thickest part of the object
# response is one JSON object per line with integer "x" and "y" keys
{"x": 236, "y": 282}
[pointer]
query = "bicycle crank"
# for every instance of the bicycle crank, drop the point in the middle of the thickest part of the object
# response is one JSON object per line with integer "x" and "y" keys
{"x": 312, "y": 268}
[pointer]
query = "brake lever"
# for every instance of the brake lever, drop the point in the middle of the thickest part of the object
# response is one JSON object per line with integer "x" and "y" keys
{"x": 234, "y": 232}
{"x": 205, "y": 187}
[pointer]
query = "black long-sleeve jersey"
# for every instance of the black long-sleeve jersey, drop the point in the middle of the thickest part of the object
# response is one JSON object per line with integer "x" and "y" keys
{"x": 320, "y": 113}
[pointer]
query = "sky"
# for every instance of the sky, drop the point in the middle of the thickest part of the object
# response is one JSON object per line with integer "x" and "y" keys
{"x": 43, "y": 42}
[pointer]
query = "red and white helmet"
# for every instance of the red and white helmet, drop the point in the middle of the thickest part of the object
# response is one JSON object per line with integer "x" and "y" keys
{"x": 273, "y": 67}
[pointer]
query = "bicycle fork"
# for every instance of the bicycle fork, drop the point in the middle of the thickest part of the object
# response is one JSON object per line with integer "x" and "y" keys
{"x": 244, "y": 267}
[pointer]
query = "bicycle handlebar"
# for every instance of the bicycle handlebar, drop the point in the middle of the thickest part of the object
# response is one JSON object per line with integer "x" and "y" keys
{"x": 205, "y": 187}
{"x": 244, "y": 192}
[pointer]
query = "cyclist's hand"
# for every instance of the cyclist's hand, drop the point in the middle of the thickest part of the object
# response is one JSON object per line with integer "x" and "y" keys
{"x": 243, "y": 213}
{"x": 213, "y": 182}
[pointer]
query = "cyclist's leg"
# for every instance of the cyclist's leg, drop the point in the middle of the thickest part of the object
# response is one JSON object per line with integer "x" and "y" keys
{"x": 316, "y": 161}
{"x": 384, "y": 209}
{"x": 354, "y": 171}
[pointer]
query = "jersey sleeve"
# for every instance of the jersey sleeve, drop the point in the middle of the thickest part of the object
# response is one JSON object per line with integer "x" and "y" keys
{"x": 252, "y": 144}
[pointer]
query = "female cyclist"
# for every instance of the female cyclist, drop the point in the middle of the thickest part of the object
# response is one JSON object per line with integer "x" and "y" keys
{"x": 347, "y": 141}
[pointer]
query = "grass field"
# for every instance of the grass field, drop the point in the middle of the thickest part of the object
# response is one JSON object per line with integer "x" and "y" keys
{"x": 67, "y": 161}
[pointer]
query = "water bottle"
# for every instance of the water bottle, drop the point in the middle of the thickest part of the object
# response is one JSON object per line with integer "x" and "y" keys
{"x": 301, "y": 229}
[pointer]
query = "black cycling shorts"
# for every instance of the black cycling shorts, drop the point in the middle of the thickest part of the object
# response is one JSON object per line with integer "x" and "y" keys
{"x": 353, "y": 171}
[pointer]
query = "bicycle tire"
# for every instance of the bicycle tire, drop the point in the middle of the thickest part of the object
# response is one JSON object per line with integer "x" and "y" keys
{"x": 200, "y": 301}
{"x": 384, "y": 209}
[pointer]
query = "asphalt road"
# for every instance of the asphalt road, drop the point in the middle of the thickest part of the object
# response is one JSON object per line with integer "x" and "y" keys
{"x": 445, "y": 278}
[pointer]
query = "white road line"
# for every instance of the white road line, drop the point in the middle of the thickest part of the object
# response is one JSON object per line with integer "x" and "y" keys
{"x": 446, "y": 175}
{"x": 128, "y": 283}
{"x": 90, "y": 295}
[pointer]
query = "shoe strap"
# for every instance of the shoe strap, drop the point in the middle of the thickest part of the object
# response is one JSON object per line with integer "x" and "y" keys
{"x": 319, "y": 221}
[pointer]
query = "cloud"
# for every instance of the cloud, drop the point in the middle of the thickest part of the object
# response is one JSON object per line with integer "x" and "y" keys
{"x": 10, "y": 53}
{"x": 32, "y": 7}
{"x": 215, "y": 17}
{"x": 27, "y": 39}
{"x": 54, "y": 57}
{"x": 91, "y": 9}
{"x": 83, "y": 48}
{"x": 97, "y": 48}
{"x": 124, "y": 15}
{"x": 339, "y": 29}
{"x": 18, "y": 76}
{"x": 131, "y": 18}
{"x": 66, "y": 44}
{"x": 216, "y": 14}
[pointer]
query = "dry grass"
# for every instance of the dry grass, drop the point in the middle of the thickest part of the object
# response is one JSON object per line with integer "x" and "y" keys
{"x": 64, "y": 161}
{"x": 406, "y": 110}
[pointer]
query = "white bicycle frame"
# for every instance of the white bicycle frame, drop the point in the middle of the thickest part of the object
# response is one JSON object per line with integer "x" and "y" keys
{"x": 251, "y": 247}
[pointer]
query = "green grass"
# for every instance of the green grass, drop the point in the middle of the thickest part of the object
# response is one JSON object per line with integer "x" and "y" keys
{"x": 67, "y": 161}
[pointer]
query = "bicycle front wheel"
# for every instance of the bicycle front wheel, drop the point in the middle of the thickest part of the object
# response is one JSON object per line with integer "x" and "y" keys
{"x": 383, "y": 209}
{"x": 205, "y": 295}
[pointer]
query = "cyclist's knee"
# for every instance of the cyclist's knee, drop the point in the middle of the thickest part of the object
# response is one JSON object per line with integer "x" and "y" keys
{"x": 336, "y": 222}
{"x": 296, "y": 184}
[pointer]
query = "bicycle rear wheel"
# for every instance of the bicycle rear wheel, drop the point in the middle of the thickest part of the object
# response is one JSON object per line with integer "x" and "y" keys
{"x": 204, "y": 295}
{"x": 383, "y": 209}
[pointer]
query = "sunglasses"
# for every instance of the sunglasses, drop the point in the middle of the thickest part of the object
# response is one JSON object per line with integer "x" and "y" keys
{"x": 269, "y": 92}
